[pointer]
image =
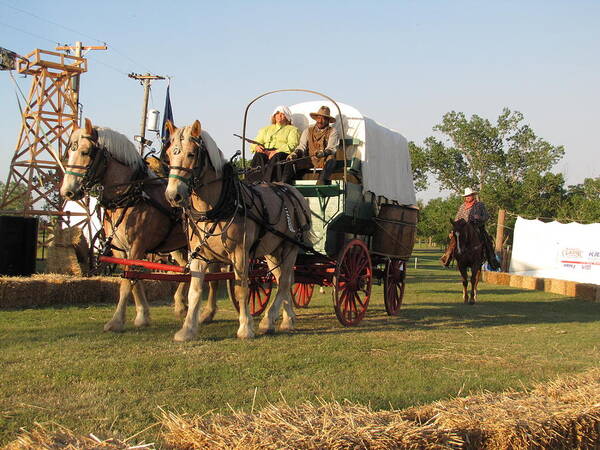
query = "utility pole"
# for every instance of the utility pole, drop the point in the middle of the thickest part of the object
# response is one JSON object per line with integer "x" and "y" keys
{"x": 78, "y": 49}
{"x": 145, "y": 80}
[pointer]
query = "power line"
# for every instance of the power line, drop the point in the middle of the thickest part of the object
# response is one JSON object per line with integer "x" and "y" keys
{"x": 29, "y": 33}
{"x": 51, "y": 22}
{"x": 77, "y": 32}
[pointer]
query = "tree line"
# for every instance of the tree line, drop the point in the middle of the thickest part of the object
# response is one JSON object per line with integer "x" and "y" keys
{"x": 508, "y": 163}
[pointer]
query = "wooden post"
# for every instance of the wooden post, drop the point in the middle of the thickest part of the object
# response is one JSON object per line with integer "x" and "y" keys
{"x": 145, "y": 81}
{"x": 500, "y": 230}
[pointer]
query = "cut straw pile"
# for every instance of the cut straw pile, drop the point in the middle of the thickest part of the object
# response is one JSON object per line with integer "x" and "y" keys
{"x": 53, "y": 436}
{"x": 564, "y": 414}
{"x": 561, "y": 414}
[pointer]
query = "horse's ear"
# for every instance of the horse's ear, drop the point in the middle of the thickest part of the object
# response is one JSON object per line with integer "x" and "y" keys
{"x": 196, "y": 129}
{"x": 89, "y": 129}
{"x": 170, "y": 126}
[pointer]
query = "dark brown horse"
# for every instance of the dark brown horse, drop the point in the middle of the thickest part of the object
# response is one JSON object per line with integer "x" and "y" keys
{"x": 469, "y": 253}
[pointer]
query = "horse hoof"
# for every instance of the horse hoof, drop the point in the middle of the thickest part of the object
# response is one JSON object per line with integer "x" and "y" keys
{"x": 287, "y": 326}
{"x": 247, "y": 334}
{"x": 114, "y": 326}
{"x": 184, "y": 335}
{"x": 141, "y": 322}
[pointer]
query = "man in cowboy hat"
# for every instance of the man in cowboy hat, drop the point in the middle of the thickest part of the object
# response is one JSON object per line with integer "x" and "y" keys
{"x": 474, "y": 211}
{"x": 318, "y": 142}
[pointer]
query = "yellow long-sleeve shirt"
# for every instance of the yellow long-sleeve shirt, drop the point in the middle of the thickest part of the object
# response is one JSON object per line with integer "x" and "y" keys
{"x": 284, "y": 138}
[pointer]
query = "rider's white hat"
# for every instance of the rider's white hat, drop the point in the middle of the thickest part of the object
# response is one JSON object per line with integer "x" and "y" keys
{"x": 469, "y": 191}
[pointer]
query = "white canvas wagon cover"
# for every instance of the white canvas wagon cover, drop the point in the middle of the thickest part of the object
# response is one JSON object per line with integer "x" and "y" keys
{"x": 386, "y": 168}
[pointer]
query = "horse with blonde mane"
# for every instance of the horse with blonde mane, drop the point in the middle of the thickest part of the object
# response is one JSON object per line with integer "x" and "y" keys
{"x": 232, "y": 222}
{"x": 137, "y": 219}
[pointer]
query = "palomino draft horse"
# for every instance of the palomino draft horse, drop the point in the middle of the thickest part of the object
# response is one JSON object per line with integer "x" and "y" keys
{"x": 231, "y": 222}
{"x": 137, "y": 219}
{"x": 469, "y": 254}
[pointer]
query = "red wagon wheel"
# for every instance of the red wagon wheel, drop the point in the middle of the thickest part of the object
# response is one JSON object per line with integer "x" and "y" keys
{"x": 352, "y": 283}
{"x": 393, "y": 285}
{"x": 259, "y": 288}
{"x": 302, "y": 293}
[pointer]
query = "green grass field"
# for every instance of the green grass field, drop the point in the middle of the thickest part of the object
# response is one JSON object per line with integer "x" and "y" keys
{"x": 57, "y": 364}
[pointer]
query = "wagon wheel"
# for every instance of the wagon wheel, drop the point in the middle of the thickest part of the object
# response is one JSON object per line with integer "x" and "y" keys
{"x": 302, "y": 293}
{"x": 259, "y": 288}
{"x": 393, "y": 285}
{"x": 352, "y": 283}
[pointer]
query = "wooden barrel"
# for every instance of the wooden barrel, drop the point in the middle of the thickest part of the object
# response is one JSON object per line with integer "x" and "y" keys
{"x": 395, "y": 231}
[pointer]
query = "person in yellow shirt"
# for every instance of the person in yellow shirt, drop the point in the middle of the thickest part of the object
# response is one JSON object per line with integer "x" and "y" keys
{"x": 275, "y": 143}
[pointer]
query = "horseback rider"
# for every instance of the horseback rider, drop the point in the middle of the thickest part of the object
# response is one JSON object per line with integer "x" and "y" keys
{"x": 474, "y": 211}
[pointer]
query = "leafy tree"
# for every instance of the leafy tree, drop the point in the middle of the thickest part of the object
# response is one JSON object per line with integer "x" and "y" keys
{"x": 476, "y": 153}
{"x": 582, "y": 202}
{"x": 419, "y": 166}
{"x": 434, "y": 219}
{"x": 16, "y": 196}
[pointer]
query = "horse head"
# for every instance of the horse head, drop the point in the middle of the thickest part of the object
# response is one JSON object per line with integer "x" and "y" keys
{"x": 83, "y": 160}
{"x": 191, "y": 155}
{"x": 182, "y": 153}
{"x": 459, "y": 229}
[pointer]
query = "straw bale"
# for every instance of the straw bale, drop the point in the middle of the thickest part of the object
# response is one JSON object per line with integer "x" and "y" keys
{"x": 489, "y": 277}
{"x": 502, "y": 278}
{"x": 54, "y": 436}
{"x": 570, "y": 288}
{"x": 586, "y": 291}
{"x": 561, "y": 414}
{"x": 515, "y": 281}
{"x": 532, "y": 283}
{"x": 307, "y": 426}
{"x": 68, "y": 252}
{"x": 558, "y": 286}
{"x": 59, "y": 289}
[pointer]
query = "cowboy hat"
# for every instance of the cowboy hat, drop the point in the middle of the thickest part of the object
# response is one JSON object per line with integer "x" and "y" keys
{"x": 323, "y": 111}
{"x": 469, "y": 191}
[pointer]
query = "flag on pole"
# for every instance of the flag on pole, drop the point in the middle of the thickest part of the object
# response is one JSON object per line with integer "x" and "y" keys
{"x": 168, "y": 115}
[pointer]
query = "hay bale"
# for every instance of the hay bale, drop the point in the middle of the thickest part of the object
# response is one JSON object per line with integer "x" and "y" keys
{"x": 59, "y": 289}
{"x": 54, "y": 436}
{"x": 68, "y": 252}
{"x": 558, "y": 286}
{"x": 586, "y": 291}
{"x": 490, "y": 277}
{"x": 515, "y": 281}
{"x": 571, "y": 288}
{"x": 307, "y": 426}
{"x": 503, "y": 278}
{"x": 532, "y": 283}
{"x": 561, "y": 414}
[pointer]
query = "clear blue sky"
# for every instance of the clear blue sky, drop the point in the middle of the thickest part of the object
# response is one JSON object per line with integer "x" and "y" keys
{"x": 402, "y": 63}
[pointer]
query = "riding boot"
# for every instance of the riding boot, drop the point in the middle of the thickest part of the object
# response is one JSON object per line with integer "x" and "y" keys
{"x": 446, "y": 258}
{"x": 490, "y": 253}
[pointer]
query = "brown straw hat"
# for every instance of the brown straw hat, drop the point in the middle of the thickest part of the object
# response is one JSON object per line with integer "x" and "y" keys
{"x": 323, "y": 111}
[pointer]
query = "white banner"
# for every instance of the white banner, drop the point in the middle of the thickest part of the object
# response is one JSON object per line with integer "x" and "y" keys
{"x": 568, "y": 251}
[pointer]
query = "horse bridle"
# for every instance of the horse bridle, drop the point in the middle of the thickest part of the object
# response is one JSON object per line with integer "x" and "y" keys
{"x": 199, "y": 154}
{"x": 96, "y": 168}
